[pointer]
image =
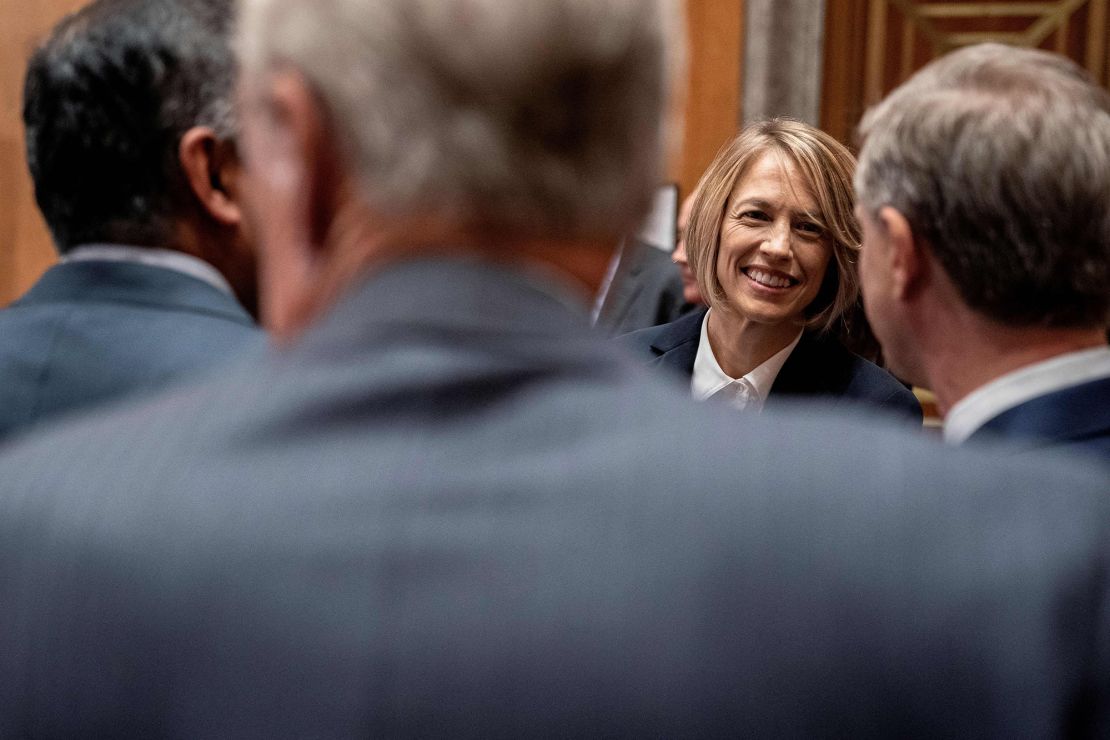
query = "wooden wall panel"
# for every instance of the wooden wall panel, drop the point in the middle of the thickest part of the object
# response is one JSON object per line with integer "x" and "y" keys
{"x": 715, "y": 74}
{"x": 10, "y": 162}
{"x": 872, "y": 46}
{"x": 25, "y": 248}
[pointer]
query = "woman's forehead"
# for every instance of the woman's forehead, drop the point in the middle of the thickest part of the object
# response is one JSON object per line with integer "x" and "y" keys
{"x": 774, "y": 179}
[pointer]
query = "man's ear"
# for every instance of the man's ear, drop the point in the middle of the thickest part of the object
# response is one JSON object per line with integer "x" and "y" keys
{"x": 300, "y": 113}
{"x": 294, "y": 190}
{"x": 211, "y": 167}
{"x": 906, "y": 264}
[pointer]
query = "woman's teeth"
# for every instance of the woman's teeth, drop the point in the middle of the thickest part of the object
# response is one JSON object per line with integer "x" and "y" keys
{"x": 766, "y": 278}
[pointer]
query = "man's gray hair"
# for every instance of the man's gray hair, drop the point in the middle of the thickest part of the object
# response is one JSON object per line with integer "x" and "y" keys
{"x": 542, "y": 118}
{"x": 999, "y": 158}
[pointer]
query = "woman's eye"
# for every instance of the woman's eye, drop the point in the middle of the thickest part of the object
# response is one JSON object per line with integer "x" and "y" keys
{"x": 755, "y": 216}
{"x": 809, "y": 228}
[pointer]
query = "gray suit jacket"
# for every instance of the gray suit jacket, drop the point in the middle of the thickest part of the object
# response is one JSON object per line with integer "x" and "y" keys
{"x": 88, "y": 333}
{"x": 646, "y": 291}
{"x": 452, "y": 508}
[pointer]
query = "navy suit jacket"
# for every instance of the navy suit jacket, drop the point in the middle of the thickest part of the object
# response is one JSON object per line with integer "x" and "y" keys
{"x": 90, "y": 332}
{"x": 452, "y": 508}
{"x": 1075, "y": 418}
{"x": 819, "y": 367}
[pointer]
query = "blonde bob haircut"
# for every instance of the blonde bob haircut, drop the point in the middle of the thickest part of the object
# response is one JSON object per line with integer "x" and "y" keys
{"x": 827, "y": 167}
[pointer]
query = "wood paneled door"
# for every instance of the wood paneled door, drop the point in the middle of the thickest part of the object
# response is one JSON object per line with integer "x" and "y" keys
{"x": 874, "y": 45}
{"x": 712, "y": 111}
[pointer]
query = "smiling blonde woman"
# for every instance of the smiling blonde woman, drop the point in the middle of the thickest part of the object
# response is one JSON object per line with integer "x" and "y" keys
{"x": 772, "y": 240}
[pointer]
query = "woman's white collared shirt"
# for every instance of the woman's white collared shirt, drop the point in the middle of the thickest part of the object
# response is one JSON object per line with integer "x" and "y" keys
{"x": 748, "y": 393}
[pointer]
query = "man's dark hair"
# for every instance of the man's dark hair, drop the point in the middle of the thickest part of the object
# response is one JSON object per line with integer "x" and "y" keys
{"x": 106, "y": 101}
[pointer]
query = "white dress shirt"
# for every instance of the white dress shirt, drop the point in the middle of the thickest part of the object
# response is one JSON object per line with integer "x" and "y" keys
{"x": 165, "y": 258}
{"x": 746, "y": 393}
{"x": 1024, "y": 384}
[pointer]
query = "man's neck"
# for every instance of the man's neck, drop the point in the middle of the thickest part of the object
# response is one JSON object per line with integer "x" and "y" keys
{"x": 979, "y": 351}
{"x": 357, "y": 246}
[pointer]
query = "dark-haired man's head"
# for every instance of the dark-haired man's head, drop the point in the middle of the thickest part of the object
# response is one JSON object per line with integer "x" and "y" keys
{"x": 131, "y": 132}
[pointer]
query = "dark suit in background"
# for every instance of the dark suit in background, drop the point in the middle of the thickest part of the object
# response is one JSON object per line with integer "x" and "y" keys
{"x": 819, "y": 367}
{"x": 1075, "y": 418}
{"x": 90, "y": 332}
{"x": 646, "y": 291}
{"x": 471, "y": 516}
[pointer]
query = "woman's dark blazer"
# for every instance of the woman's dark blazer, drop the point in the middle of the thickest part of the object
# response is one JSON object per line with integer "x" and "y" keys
{"x": 818, "y": 367}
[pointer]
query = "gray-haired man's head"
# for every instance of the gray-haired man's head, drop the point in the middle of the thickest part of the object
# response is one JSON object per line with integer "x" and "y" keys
{"x": 449, "y": 120}
{"x": 999, "y": 159}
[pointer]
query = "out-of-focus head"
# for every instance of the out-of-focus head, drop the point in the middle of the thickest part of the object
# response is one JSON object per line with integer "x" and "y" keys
{"x": 690, "y": 292}
{"x": 512, "y": 120}
{"x": 998, "y": 160}
{"x": 107, "y": 100}
{"x": 819, "y": 249}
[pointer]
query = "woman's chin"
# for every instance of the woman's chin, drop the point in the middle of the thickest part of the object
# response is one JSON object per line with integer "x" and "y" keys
{"x": 769, "y": 316}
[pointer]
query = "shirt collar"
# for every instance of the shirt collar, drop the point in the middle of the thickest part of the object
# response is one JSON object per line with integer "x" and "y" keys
{"x": 1015, "y": 388}
{"x": 708, "y": 378}
{"x": 165, "y": 258}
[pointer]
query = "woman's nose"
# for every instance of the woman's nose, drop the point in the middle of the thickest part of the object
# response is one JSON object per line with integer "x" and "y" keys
{"x": 777, "y": 243}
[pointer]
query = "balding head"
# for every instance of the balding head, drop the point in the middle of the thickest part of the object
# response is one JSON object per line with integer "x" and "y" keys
{"x": 425, "y": 121}
{"x": 539, "y": 117}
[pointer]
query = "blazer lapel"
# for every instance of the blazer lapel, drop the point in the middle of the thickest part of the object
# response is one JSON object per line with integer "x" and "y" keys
{"x": 676, "y": 347}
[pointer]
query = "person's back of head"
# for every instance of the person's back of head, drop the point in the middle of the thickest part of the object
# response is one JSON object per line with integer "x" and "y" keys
{"x": 109, "y": 99}
{"x": 498, "y": 122}
{"x": 999, "y": 158}
{"x": 529, "y": 118}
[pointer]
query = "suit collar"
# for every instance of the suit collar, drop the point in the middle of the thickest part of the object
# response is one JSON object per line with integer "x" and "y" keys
{"x": 131, "y": 283}
{"x": 1024, "y": 384}
{"x": 460, "y": 300}
{"x": 1072, "y": 414}
{"x": 676, "y": 344}
{"x": 170, "y": 259}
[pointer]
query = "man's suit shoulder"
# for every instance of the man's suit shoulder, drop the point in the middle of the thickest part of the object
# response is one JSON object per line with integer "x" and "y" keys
{"x": 507, "y": 536}
{"x": 1075, "y": 418}
{"x": 823, "y": 366}
{"x": 90, "y": 332}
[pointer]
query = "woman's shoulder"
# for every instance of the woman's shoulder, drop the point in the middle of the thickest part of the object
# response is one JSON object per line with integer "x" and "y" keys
{"x": 852, "y": 376}
{"x": 665, "y": 337}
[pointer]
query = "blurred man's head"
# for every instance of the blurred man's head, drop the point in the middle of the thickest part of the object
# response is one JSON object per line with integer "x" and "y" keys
{"x": 986, "y": 179}
{"x": 131, "y": 133}
{"x": 690, "y": 292}
{"x": 377, "y": 131}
